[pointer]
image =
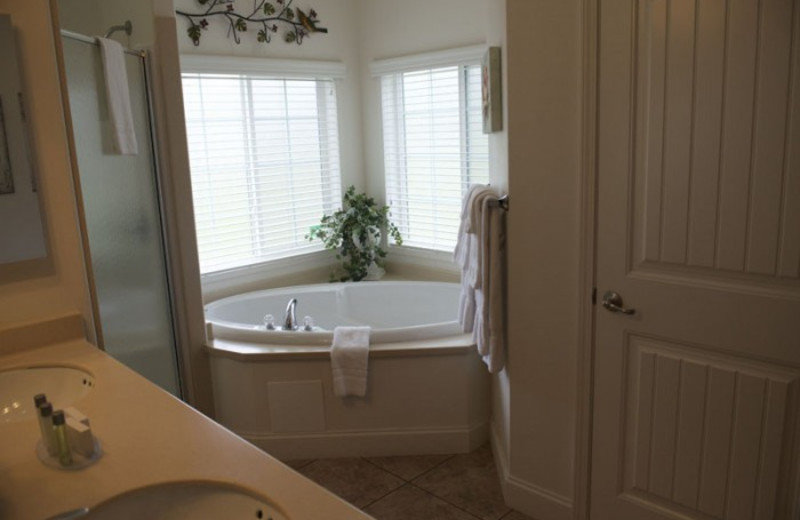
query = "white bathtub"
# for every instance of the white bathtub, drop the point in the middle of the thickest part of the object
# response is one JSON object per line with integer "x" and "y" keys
{"x": 396, "y": 311}
{"x": 427, "y": 389}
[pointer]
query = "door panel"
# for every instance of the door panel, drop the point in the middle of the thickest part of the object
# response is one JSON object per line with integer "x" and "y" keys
{"x": 696, "y": 395}
{"x": 713, "y": 158}
{"x": 700, "y": 426}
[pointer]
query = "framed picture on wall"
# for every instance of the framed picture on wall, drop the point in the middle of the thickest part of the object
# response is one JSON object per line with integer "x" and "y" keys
{"x": 6, "y": 177}
{"x": 491, "y": 91}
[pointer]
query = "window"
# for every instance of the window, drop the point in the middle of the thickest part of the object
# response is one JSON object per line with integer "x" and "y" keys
{"x": 434, "y": 148}
{"x": 264, "y": 156}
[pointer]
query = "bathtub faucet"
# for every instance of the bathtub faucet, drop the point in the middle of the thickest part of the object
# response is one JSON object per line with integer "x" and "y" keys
{"x": 290, "y": 319}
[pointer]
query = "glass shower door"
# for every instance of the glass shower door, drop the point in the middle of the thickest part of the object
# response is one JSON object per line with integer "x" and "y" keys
{"x": 123, "y": 221}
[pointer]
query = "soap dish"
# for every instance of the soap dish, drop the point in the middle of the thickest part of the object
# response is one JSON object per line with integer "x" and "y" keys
{"x": 78, "y": 461}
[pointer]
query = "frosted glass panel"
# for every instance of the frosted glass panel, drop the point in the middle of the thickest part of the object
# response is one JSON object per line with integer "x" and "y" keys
{"x": 120, "y": 200}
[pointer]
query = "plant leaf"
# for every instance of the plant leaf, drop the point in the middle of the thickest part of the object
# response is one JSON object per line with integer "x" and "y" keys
{"x": 194, "y": 33}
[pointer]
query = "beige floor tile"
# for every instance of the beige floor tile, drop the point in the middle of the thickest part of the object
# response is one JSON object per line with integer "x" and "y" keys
{"x": 354, "y": 480}
{"x": 410, "y": 467}
{"x": 469, "y": 482}
{"x": 296, "y": 464}
{"x": 410, "y": 502}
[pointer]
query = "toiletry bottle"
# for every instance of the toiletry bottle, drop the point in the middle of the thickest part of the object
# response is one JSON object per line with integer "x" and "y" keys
{"x": 39, "y": 400}
{"x": 64, "y": 453}
{"x": 45, "y": 415}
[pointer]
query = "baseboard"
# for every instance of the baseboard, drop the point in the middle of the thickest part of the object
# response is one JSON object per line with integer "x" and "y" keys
{"x": 383, "y": 443}
{"x": 525, "y": 497}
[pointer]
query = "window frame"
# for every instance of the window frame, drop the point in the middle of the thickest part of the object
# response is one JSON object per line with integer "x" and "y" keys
{"x": 459, "y": 57}
{"x": 280, "y": 69}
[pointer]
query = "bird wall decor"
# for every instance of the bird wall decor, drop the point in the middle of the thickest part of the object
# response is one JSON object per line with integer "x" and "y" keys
{"x": 268, "y": 16}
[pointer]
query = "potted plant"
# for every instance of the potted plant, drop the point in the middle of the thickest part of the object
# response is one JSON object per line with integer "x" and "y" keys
{"x": 356, "y": 232}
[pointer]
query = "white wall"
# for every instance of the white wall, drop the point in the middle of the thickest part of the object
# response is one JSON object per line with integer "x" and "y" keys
{"x": 498, "y": 155}
{"x": 389, "y": 29}
{"x": 544, "y": 159}
{"x": 37, "y": 290}
{"x": 96, "y": 17}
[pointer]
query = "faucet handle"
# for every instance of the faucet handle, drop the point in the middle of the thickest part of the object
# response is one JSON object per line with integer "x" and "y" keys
{"x": 269, "y": 322}
{"x": 308, "y": 324}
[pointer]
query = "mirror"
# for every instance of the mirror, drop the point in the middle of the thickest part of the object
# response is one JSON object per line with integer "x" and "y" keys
{"x": 21, "y": 228}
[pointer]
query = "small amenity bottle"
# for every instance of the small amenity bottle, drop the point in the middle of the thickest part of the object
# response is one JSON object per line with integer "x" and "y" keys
{"x": 39, "y": 400}
{"x": 45, "y": 415}
{"x": 64, "y": 452}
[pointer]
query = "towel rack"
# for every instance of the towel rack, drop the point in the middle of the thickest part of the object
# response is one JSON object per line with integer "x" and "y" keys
{"x": 500, "y": 202}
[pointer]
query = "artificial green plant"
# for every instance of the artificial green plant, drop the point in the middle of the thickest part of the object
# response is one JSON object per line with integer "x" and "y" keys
{"x": 355, "y": 231}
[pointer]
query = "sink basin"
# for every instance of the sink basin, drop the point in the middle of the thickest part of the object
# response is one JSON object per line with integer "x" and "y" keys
{"x": 63, "y": 385}
{"x": 197, "y": 500}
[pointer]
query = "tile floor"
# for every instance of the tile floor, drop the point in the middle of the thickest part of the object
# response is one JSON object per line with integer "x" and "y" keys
{"x": 424, "y": 487}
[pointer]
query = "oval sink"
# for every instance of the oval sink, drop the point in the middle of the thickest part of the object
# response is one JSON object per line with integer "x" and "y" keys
{"x": 64, "y": 386}
{"x": 181, "y": 500}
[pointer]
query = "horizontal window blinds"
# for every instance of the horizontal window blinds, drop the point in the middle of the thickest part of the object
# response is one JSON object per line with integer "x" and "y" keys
{"x": 434, "y": 148}
{"x": 264, "y": 157}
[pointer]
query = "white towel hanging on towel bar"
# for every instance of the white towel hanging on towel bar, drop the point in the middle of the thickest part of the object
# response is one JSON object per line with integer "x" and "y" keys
{"x": 118, "y": 97}
{"x": 480, "y": 252}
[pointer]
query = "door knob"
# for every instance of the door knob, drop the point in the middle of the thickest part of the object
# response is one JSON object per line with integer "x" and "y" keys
{"x": 613, "y": 302}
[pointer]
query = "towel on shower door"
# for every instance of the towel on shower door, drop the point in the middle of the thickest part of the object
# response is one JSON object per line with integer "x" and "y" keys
{"x": 349, "y": 356}
{"x": 118, "y": 97}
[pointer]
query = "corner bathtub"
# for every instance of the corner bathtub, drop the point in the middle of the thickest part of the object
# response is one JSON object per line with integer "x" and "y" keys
{"x": 427, "y": 390}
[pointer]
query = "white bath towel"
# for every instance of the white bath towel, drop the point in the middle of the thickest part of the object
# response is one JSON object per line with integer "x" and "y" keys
{"x": 460, "y": 254}
{"x": 349, "y": 357}
{"x": 489, "y": 322}
{"x": 468, "y": 252}
{"x": 118, "y": 97}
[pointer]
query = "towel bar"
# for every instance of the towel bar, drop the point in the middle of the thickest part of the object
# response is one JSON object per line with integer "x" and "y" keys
{"x": 501, "y": 202}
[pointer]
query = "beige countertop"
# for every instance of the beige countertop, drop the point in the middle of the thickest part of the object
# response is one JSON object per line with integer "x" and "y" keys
{"x": 147, "y": 437}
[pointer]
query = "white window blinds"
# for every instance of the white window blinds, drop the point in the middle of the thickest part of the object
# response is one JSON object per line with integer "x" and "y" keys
{"x": 434, "y": 148}
{"x": 264, "y": 156}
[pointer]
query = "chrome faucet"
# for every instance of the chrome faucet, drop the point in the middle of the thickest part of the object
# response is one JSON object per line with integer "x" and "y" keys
{"x": 290, "y": 319}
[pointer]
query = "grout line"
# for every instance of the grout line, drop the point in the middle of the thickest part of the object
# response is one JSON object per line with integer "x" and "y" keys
{"x": 470, "y": 513}
{"x": 404, "y": 479}
{"x": 298, "y": 468}
{"x": 398, "y": 488}
{"x": 449, "y": 457}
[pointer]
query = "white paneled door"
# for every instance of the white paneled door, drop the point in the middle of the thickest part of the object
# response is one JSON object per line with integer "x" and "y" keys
{"x": 697, "y": 393}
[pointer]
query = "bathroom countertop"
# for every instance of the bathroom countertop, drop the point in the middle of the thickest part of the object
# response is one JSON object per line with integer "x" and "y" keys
{"x": 147, "y": 437}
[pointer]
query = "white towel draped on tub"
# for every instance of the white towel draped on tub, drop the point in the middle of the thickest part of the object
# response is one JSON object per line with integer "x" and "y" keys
{"x": 349, "y": 357}
{"x": 480, "y": 252}
{"x": 118, "y": 97}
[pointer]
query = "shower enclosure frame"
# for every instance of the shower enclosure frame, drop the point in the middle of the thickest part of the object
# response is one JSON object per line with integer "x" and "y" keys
{"x": 96, "y": 327}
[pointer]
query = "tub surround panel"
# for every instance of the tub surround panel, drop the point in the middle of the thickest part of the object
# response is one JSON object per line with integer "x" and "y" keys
{"x": 147, "y": 437}
{"x": 371, "y": 443}
{"x": 415, "y": 404}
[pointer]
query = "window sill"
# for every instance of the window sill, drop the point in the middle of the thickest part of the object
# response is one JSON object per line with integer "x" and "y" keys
{"x": 294, "y": 270}
{"x": 422, "y": 264}
{"x": 406, "y": 262}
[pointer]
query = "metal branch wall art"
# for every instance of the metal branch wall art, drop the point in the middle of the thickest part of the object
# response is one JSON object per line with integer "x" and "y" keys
{"x": 267, "y": 16}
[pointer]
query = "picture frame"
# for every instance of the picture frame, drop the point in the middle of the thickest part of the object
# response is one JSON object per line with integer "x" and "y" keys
{"x": 491, "y": 91}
